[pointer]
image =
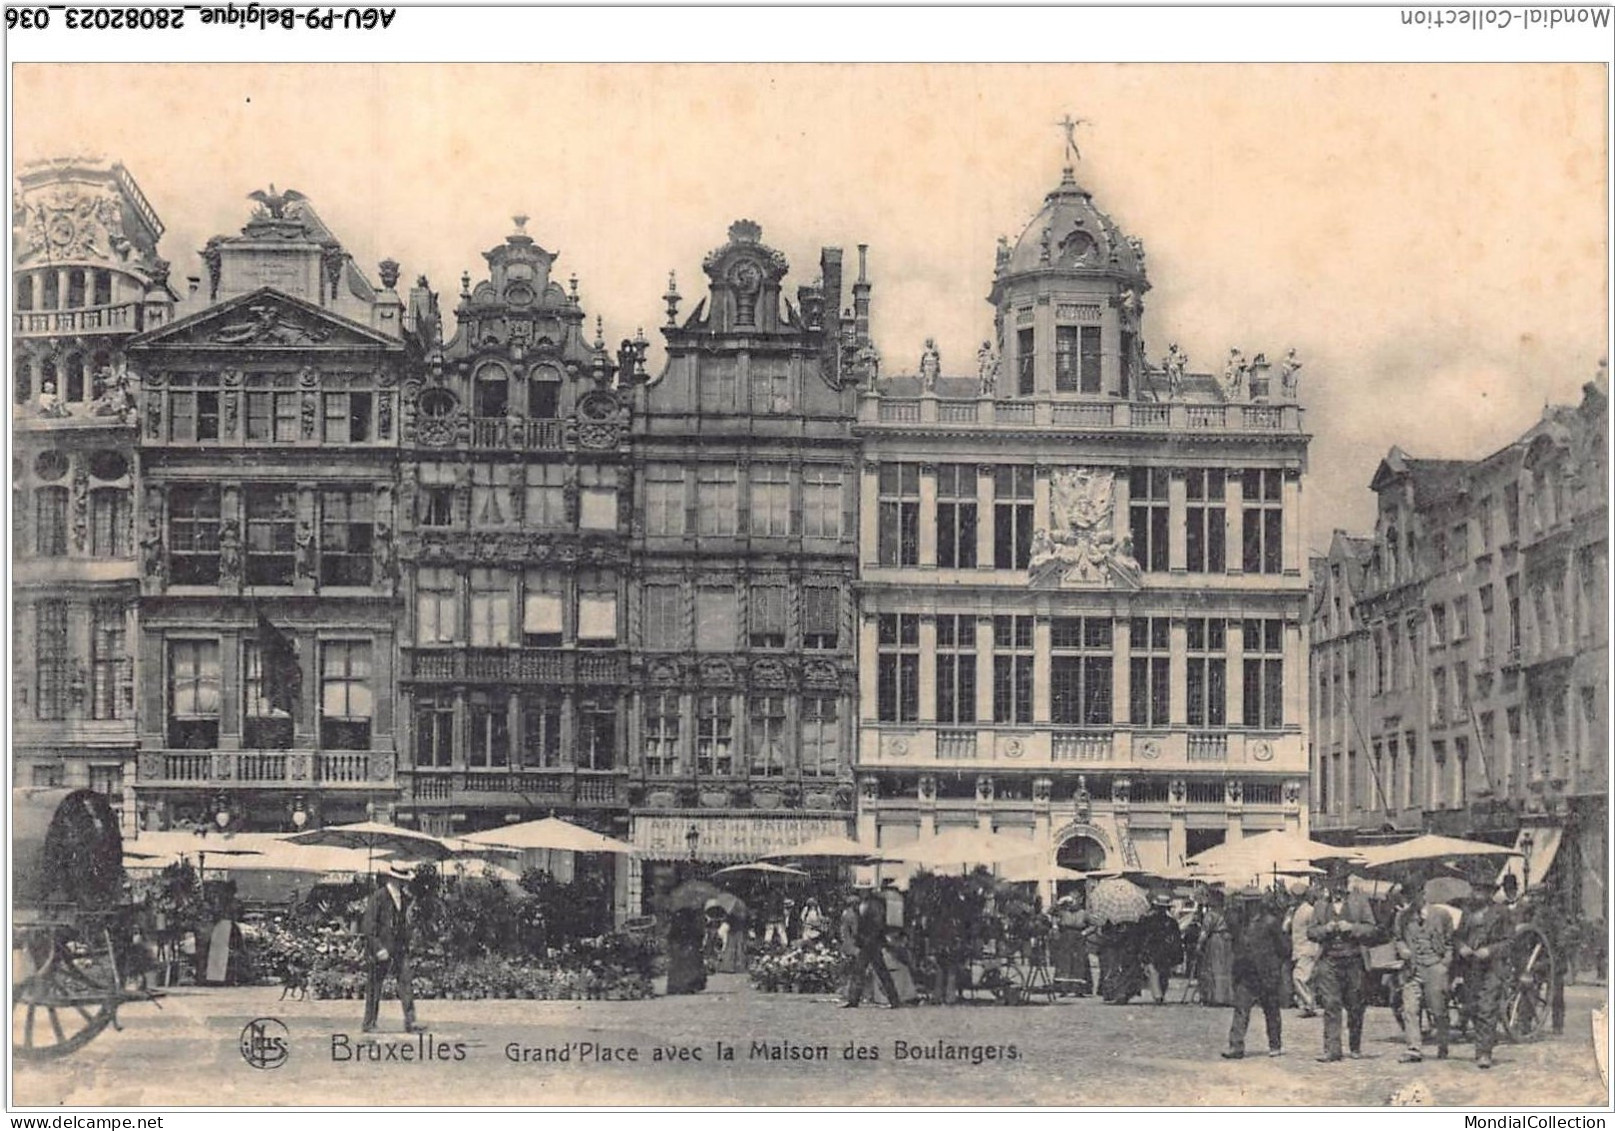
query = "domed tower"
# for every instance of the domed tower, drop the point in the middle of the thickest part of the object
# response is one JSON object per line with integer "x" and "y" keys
{"x": 1069, "y": 302}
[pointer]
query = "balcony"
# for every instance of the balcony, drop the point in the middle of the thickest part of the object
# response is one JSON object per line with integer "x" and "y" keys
{"x": 1208, "y": 748}
{"x": 515, "y": 433}
{"x": 537, "y": 788}
{"x": 515, "y": 665}
{"x": 120, "y": 318}
{"x": 955, "y": 745}
{"x": 1096, "y": 415}
{"x": 1081, "y": 746}
{"x": 358, "y": 769}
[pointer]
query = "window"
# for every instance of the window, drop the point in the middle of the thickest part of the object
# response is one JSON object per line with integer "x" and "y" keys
{"x": 490, "y": 608}
{"x": 664, "y": 499}
{"x": 1511, "y": 511}
{"x": 1012, "y": 669}
{"x": 1264, "y": 673}
{"x": 47, "y": 776}
{"x": 541, "y": 732}
{"x": 766, "y": 614}
{"x": 1012, "y": 516}
{"x": 1438, "y": 626}
{"x": 1207, "y": 672}
{"x": 821, "y": 737}
{"x": 52, "y": 662}
{"x": 821, "y": 617}
{"x": 1459, "y": 546}
{"x": 544, "y": 395}
{"x": 347, "y": 417}
{"x": 597, "y": 610}
{"x": 346, "y": 537}
{"x": 770, "y": 386}
{"x": 717, "y": 499}
{"x": 664, "y": 618}
{"x": 435, "y": 501}
{"x": 25, "y": 292}
{"x": 1066, "y": 367}
{"x": 1460, "y": 618}
{"x": 1438, "y": 547}
{"x": 717, "y": 384}
{"x": 436, "y": 602}
{"x": 111, "y": 670}
{"x": 489, "y": 714}
{"x": 543, "y": 597}
{"x": 1393, "y": 654}
{"x": 434, "y": 731}
{"x": 1080, "y": 671}
{"x": 51, "y": 516}
{"x": 1460, "y": 678}
{"x": 75, "y": 287}
{"x": 1088, "y": 348}
{"x": 1516, "y": 746}
{"x": 899, "y": 514}
{"x": 956, "y": 668}
{"x": 821, "y": 502}
{"x": 193, "y": 694}
{"x": 193, "y": 524}
{"x": 597, "y": 497}
{"x": 1415, "y": 790}
{"x": 490, "y": 494}
{"x": 263, "y": 725}
{"x": 1511, "y": 590}
{"x": 716, "y": 625}
{"x": 110, "y": 523}
{"x": 1150, "y": 676}
{"x": 1393, "y": 774}
{"x": 1150, "y": 514}
{"x": 661, "y": 733}
{"x": 1488, "y": 621}
{"x": 714, "y": 735}
{"x": 1483, "y": 524}
{"x": 193, "y": 407}
{"x": 956, "y": 516}
{"x": 766, "y": 736}
{"x": 108, "y": 781}
{"x": 770, "y": 500}
{"x": 1264, "y": 520}
{"x": 597, "y": 735}
{"x": 1129, "y": 361}
{"x": 1439, "y": 697}
{"x": 1025, "y": 362}
{"x": 271, "y": 534}
{"x": 492, "y": 392}
{"x": 1207, "y": 530}
{"x": 897, "y": 667}
{"x": 345, "y": 695}
{"x": 274, "y": 416}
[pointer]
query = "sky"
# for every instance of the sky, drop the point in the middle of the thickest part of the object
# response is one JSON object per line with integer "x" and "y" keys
{"x": 1431, "y": 239}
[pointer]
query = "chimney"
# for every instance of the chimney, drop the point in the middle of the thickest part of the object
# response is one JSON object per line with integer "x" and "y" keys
{"x": 860, "y": 295}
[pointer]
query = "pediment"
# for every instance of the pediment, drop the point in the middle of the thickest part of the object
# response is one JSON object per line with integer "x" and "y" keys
{"x": 269, "y": 320}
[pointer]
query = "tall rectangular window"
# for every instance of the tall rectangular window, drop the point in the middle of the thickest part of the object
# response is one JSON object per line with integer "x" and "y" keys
{"x": 193, "y": 534}
{"x": 110, "y": 523}
{"x": 664, "y": 623}
{"x": 717, "y": 627}
{"x": 597, "y": 735}
{"x": 1012, "y": 516}
{"x": 1206, "y": 532}
{"x": 821, "y": 736}
{"x": 434, "y": 503}
{"x": 193, "y": 694}
{"x": 264, "y": 726}
{"x": 541, "y": 731}
{"x": 1393, "y": 656}
{"x": 661, "y": 733}
{"x": 1460, "y": 619}
{"x": 544, "y": 507}
{"x": 1066, "y": 366}
{"x": 821, "y": 501}
{"x": 770, "y": 385}
{"x": 489, "y": 714}
{"x": 1089, "y": 358}
{"x": 717, "y": 383}
{"x": 714, "y": 735}
{"x": 597, "y": 609}
{"x": 766, "y": 736}
{"x": 1150, "y": 679}
{"x": 347, "y": 537}
{"x": 50, "y": 509}
{"x": 543, "y": 598}
{"x": 1207, "y": 639}
{"x": 1511, "y": 511}
{"x": 956, "y": 516}
{"x": 1150, "y": 513}
{"x": 770, "y": 500}
{"x": 1488, "y": 621}
{"x": 490, "y": 495}
{"x": 1012, "y": 669}
{"x": 271, "y": 533}
{"x": 766, "y": 613}
{"x": 111, "y": 669}
{"x": 1264, "y": 673}
{"x": 1460, "y": 679}
{"x": 1264, "y": 520}
{"x": 899, "y": 514}
{"x": 1511, "y": 591}
{"x": 490, "y": 608}
{"x": 434, "y": 731}
{"x": 436, "y": 603}
{"x": 597, "y": 497}
{"x": 1438, "y": 625}
{"x": 347, "y": 417}
{"x": 664, "y": 499}
{"x": 52, "y": 660}
{"x": 1025, "y": 362}
{"x": 347, "y": 699}
{"x": 1080, "y": 671}
{"x": 1439, "y": 698}
{"x": 897, "y": 667}
{"x": 821, "y": 617}
{"x": 956, "y": 668}
{"x": 717, "y": 499}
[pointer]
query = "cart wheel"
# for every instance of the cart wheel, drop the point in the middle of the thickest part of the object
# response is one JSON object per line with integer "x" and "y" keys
{"x": 56, "y": 1008}
{"x": 1530, "y": 1004}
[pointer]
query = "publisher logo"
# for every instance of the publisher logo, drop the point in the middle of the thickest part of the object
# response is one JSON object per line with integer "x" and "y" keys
{"x": 265, "y": 1043}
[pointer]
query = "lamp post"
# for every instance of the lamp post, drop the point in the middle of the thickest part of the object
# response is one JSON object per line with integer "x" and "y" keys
{"x": 1527, "y": 842}
{"x": 692, "y": 838}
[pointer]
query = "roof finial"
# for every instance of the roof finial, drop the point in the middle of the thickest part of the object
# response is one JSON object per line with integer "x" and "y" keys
{"x": 521, "y": 223}
{"x": 1072, "y": 153}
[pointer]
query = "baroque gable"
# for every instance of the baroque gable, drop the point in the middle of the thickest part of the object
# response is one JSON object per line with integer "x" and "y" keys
{"x": 265, "y": 320}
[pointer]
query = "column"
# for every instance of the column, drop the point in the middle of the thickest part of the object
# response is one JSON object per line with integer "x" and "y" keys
{"x": 1121, "y": 672}
{"x": 927, "y": 716}
{"x": 984, "y": 516}
{"x": 928, "y": 515}
{"x": 867, "y": 666}
{"x": 984, "y": 678}
{"x": 1042, "y": 639}
{"x": 1178, "y": 672}
{"x": 1291, "y": 494}
{"x": 869, "y": 515}
{"x": 1233, "y": 505}
{"x": 1235, "y": 706}
{"x": 1177, "y": 494}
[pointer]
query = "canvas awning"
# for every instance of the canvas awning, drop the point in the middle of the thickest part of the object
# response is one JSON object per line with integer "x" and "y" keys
{"x": 1539, "y": 846}
{"x": 727, "y": 838}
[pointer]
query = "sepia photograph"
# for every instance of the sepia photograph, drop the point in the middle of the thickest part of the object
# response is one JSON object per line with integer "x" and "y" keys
{"x": 802, "y": 585}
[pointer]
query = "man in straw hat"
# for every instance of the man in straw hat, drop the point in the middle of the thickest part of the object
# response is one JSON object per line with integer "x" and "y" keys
{"x": 386, "y": 933}
{"x": 1341, "y": 925}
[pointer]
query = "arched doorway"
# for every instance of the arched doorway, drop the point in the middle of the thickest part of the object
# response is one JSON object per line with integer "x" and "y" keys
{"x": 1082, "y": 853}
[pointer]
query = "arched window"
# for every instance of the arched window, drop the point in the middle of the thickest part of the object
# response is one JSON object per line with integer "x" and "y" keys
{"x": 25, "y": 293}
{"x": 74, "y": 370}
{"x": 492, "y": 392}
{"x": 75, "y": 287}
{"x": 53, "y": 292}
{"x": 103, "y": 288}
{"x": 544, "y": 393}
{"x": 47, "y": 376}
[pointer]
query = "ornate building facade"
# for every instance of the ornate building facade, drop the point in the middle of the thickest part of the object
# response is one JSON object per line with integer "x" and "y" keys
{"x": 745, "y": 553}
{"x": 268, "y": 444}
{"x": 515, "y": 512}
{"x": 1081, "y": 604}
{"x": 86, "y": 278}
{"x": 1460, "y": 655}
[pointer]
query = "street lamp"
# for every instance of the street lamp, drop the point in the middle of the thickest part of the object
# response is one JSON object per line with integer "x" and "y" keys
{"x": 1527, "y": 841}
{"x": 692, "y": 839}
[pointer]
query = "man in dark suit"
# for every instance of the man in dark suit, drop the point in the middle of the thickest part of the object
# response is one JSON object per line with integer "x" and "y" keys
{"x": 870, "y": 955}
{"x": 1261, "y": 964}
{"x": 1485, "y": 943}
{"x": 386, "y": 933}
{"x": 1343, "y": 924}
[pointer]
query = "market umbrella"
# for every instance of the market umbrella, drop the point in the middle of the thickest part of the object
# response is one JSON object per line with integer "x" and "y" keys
{"x": 377, "y": 838}
{"x": 1431, "y": 847}
{"x": 550, "y": 833}
{"x": 963, "y": 848}
{"x": 1447, "y": 889}
{"x": 831, "y": 848}
{"x": 1032, "y": 869}
{"x": 1118, "y": 901}
{"x": 1279, "y": 844}
{"x": 762, "y": 870}
{"x": 693, "y": 893}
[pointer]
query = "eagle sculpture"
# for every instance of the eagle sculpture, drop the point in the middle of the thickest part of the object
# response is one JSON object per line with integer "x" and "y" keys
{"x": 276, "y": 202}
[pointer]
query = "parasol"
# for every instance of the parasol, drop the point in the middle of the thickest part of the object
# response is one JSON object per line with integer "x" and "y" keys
{"x": 375, "y": 837}
{"x": 762, "y": 870}
{"x": 1118, "y": 901}
{"x": 693, "y": 893}
{"x": 1447, "y": 889}
{"x": 961, "y": 848}
{"x": 1036, "y": 868}
{"x": 1431, "y": 848}
{"x": 550, "y": 833}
